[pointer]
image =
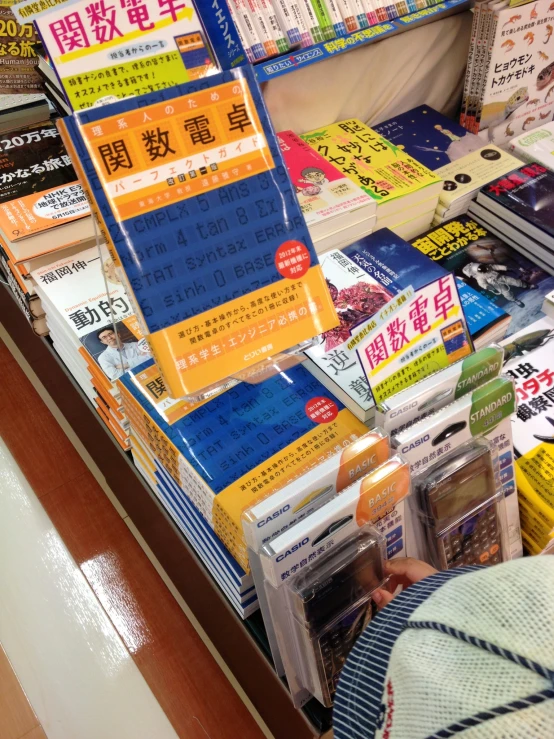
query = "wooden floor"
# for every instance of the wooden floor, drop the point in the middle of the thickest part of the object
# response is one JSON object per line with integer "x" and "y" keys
{"x": 17, "y": 718}
{"x": 185, "y": 678}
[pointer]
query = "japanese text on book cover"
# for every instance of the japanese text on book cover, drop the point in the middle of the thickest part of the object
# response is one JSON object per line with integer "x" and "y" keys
{"x": 123, "y": 48}
{"x": 197, "y": 207}
{"x": 38, "y": 185}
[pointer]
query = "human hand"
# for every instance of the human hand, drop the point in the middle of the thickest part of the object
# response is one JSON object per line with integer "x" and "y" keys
{"x": 403, "y": 571}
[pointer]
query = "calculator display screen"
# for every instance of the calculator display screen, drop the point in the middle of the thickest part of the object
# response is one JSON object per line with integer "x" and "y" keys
{"x": 459, "y": 498}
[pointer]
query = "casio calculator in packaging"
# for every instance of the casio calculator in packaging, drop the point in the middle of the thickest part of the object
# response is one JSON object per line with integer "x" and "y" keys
{"x": 330, "y": 603}
{"x": 462, "y": 508}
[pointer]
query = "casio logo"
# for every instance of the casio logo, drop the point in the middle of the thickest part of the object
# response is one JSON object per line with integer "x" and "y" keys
{"x": 403, "y": 410}
{"x": 293, "y": 549}
{"x": 415, "y": 444}
{"x": 273, "y": 516}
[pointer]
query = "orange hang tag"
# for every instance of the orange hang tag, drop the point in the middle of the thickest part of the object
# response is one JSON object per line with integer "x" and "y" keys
{"x": 382, "y": 490}
{"x": 361, "y": 457}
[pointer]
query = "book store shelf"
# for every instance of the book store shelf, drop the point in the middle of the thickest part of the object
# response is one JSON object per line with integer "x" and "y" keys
{"x": 278, "y": 66}
{"x": 240, "y": 643}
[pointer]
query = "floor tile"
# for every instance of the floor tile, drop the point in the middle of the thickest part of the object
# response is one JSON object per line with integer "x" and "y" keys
{"x": 75, "y": 669}
{"x": 17, "y": 718}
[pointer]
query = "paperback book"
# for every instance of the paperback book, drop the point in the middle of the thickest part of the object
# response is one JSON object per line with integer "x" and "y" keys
{"x": 126, "y": 50}
{"x": 537, "y": 146}
{"x": 524, "y": 199}
{"x": 335, "y": 209}
{"x": 529, "y": 363}
{"x": 499, "y": 274}
{"x": 428, "y": 136}
{"x": 227, "y": 267}
{"x": 391, "y": 177}
{"x": 363, "y": 278}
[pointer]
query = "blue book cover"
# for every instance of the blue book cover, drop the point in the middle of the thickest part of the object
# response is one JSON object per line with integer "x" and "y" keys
{"x": 228, "y": 451}
{"x": 491, "y": 268}
{"x": 428, "y": 136}
{"x": 201, "y": 217}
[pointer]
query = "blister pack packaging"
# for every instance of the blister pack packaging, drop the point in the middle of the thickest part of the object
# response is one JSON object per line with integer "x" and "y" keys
{"x": 484, "y": 414}
{"x": 302, "y": 547}
{"x": 330, "y": 605}
{"x": 427, "y": 396}
{"x": 304, "y": 495}
{"x": 462, "y": 508}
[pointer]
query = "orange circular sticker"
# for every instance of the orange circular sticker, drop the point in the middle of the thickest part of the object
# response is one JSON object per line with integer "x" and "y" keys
{"x": 292, "y": 259}
{"x": 321, "y": 410}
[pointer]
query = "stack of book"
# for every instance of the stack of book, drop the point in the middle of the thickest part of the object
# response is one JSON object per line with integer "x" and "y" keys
{"x": 336, "y": 210}
{"x": 82, "y": 298}
{"x": 537, "y": 146}
{"x": 43, "y": 209}
{"x": 507, "y": 89}
{"x": 501, "y": 290}
{"x": 405, "y": 191}
{"x": 208, "y": 461}
{"x": 519, "y": 208}
{"x": 458, "y": 157}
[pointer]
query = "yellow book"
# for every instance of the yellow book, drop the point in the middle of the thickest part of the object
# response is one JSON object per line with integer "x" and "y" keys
{"x": 534, "y": 527}
{"x": 382, "y": 170}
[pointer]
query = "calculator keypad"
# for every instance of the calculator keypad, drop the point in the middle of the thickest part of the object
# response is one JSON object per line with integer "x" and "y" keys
{"x": 476, "y": 541}
{"x": 335, "y": 643}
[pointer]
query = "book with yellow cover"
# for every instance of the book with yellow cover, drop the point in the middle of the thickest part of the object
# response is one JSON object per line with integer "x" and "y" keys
{"x": 200, "y": 216}
{"x": 382, "y": 170}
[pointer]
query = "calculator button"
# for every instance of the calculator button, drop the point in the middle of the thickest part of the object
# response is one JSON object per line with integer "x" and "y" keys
{"x": 494, "y": 549}
{"x": 484, "y": 557}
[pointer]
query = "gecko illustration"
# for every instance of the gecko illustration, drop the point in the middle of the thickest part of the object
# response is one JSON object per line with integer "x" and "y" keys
{"x": 543, "y": 56}
{"x": 527, "y": 121}
{"x": 508, "y": 45}
{"x": 549, "y": 31}
{"x": 512, "y": 19}
{"x": 534, "y": 101}
{"x": 543, "y": 116}
{"x": 508, "y": 132}
{"x": 529, "y": 37}
{"x": 549, "y": 93}
{"x": 534, "y": 13}
{"x": 495, "y": 114}
{"x": 545, "y": 77}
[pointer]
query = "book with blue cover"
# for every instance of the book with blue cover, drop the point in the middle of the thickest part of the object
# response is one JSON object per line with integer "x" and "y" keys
{"x": 362, "y": 279}
{"x": 428, "y": 136}
{"x": 226, "y": 452}
{"x": 198, "y": 211}
{"x": 491, "y": 268}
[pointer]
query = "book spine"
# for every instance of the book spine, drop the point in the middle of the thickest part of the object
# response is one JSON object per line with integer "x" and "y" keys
{"x": 336, "y": 18}
{"x": 264, "y": 32}
{"x": 361, "y": 17}
{"x": 21, "y": 298}
{"x": 241, "y": 33}
{"x": 380, "y": 11}
{"x": 470, "y": 63}
{"x": 250, "y": 34}
{"x": 489, "y": 46}
{"x": 324, "y": 20}
{"x": 369, "y": 10}
{"x": 288, "y": 22}
{"x": 296, "y": 13}
{"x": 277, "y": 32}
{"x": 401, "y": 8}
{"x": 477, "y": 80}
{"x": 311, "y": 21}
{"x": 64, "y": 126}
{"x": 348, "y": 16}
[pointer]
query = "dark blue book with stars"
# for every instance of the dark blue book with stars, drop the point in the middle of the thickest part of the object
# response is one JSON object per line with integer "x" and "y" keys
{"x": 428, "y": 136}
